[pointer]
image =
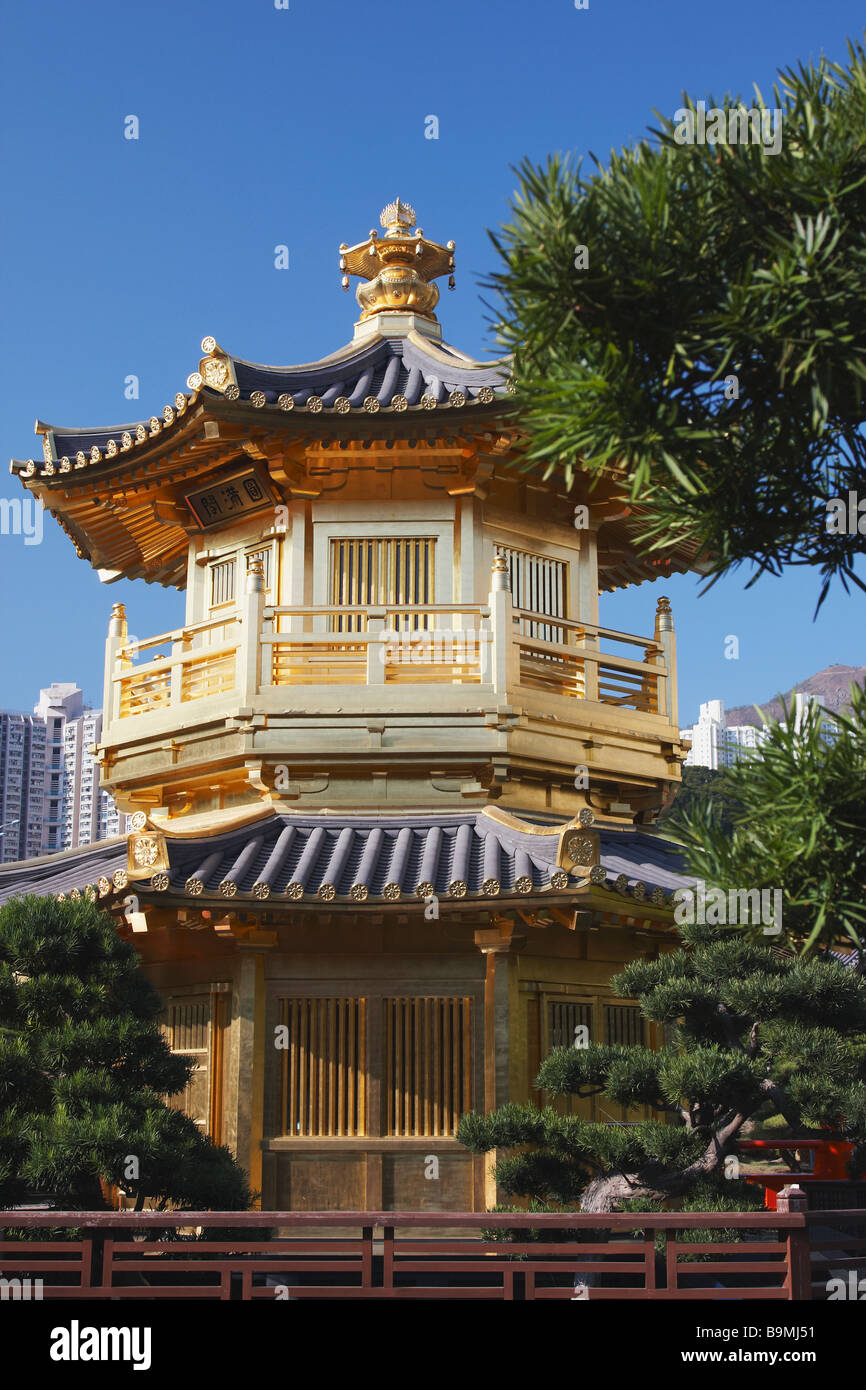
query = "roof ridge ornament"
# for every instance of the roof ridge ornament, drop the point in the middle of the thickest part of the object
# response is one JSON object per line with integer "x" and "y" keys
{"x": 399, "y": 267}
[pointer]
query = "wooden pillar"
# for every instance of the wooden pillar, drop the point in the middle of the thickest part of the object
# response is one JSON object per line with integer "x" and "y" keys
{"x": 117, "y": 636}
{"x": 504, "y": 673}
{"x": 376, "y": 1119}
{"x": 490, "y": 955}
{"x": 249, "y": 656}
{"x": 666, "y": 637}
{"x": 464, "y": 551}
{"x": 498, "y": 944}
{"x": 792, "y": 1201}
{"x": 587, "y": 577}
{"x": 216, "y": 1088}
{"x": 244, "y": 1109}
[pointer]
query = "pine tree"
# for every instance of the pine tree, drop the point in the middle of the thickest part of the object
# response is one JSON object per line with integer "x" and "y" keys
{"x": 689, "y": 314}
{"x": 84, "y": 1072}
{"x": 753, "y": 1030}
{"x": 701, "y": 786}
{"x": 800, "y": 825}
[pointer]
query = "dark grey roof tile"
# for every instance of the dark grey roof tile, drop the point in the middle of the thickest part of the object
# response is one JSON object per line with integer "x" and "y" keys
{"x": 364, "y": 852}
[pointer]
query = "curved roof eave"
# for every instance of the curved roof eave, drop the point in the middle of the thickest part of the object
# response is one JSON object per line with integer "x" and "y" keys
{"x": 409, "y": 370}
{"x": 312, "y": 858}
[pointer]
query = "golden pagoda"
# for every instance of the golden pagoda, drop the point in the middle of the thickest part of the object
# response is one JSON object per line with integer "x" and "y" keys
{"x": 393, "y": 787}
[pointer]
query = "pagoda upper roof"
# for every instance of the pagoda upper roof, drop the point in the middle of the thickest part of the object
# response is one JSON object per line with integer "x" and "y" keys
{"x": 119, "y": 491}
{"x": 393, "y": 373}
{"x": 112, "y": 488}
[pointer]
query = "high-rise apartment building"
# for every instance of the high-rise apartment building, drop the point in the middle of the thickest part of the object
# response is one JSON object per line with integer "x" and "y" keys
{"x": 81, "y": 778}
{"x": 22, "y": 786}
{"x": 714, "y": 744}
{"x": 58, "y": 705}
{"x": 717, "y": 745}
{"x": 50, "y": 798}
{"x": 77, "y": 811}
{"x": 803, "y": 702}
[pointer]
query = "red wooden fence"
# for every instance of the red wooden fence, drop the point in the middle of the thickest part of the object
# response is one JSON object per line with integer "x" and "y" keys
{"x": 411, "y": 1255}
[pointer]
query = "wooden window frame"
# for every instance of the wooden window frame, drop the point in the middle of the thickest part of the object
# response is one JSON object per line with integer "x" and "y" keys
{"x": 598, "y": 1000}
{"x": 414, "y": 528}
{"x": 203, "y": 1000}
{"x": 374, "y": 1066}
{"x": 340, "y": 1091}
{"x": 417, "y": 1036}
{"x": 222, "y": 561}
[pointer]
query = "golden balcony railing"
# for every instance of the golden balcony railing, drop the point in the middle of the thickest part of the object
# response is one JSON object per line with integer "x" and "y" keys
{"x": 566, "y": 660}
{"x": 202, "y": 662}
{"x": 442, "y": 643}
{"x": 495, "y": 649}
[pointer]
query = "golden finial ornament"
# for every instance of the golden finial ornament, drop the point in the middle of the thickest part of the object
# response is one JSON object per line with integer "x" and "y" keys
{"x": 399, "y": 267}
{"x": 399, "y": 215}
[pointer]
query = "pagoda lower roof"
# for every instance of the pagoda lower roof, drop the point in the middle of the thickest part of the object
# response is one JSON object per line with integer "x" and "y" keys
{"x": 329, "y": 858}
{"x": 70, "y": 869}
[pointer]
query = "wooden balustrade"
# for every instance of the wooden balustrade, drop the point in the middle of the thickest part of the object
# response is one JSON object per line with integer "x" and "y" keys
{"x": 377, "y": 646}
{"x": 563, "y": 657}
{"x": 443, "y": 1255}
{"x": 497, "y": 646}
{"x": 198, "y": 666}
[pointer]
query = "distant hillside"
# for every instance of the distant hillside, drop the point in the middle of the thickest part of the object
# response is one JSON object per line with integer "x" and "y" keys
{"x": 832, "y": 687}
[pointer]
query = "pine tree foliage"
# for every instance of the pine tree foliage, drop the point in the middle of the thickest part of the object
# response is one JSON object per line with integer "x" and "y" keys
{"x": 801, "y": 826}
{"x": 700, "y": 785}
{"x": 85, "y": 1070}
{"x": 753, "y": 1030}
{"x": 701, "y": 262}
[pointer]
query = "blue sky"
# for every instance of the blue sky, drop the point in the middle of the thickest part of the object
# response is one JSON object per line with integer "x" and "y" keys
{"x": 261, "y": 127}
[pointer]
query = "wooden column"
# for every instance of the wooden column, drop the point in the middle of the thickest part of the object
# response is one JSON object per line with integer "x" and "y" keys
{"x": 244, "y": 1109}
{"x": 498, "y": 944}
{"x": 505, "y": 671}
{"x": 117, "y": 636}
{"x": 250, "y": 650}
{"x": 587, "y": 577}
{"x": 216, "y": 1097}
{"x": 666, "y": 637}
{"x": 792, "y": 1200}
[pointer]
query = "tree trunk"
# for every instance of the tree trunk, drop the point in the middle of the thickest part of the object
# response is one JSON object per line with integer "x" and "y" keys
{"x": 605, "y": 1194}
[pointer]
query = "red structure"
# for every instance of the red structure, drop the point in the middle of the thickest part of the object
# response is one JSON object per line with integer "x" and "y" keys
{"x": 830, "y": 1163}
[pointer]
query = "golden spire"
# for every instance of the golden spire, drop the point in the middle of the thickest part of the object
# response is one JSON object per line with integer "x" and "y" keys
{"x": 399, "y": 267}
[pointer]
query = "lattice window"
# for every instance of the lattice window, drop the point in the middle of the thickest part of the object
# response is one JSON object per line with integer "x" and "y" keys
{"x": 222, "y": 582}
{"x": 625, "y": 1025}
{"x": 427, "y": 1064}
{"x": 564, "y": 1017}
{"x": 384, "y": 573}
{"x": 186, "y": 1027}
{"x": 539, "y": 584}
{"x": 324, "y": 1084}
